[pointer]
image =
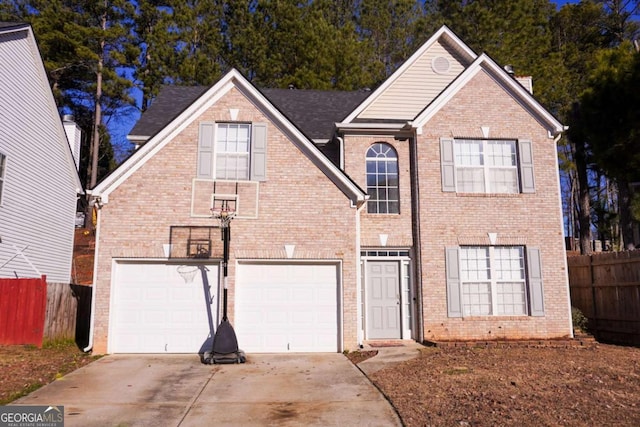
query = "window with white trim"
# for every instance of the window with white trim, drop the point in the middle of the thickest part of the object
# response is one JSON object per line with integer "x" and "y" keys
{"x": 493, "y": 281}
{"x": 3, "y": 162}
{"x": 494, "y": 166}
{"x": 382, "y": 179}
{"x": 233, "y": 151}
{"x": 484, "y": 166}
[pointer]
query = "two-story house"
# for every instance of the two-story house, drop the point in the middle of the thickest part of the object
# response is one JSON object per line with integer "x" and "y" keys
{"x": 427, "y": 209}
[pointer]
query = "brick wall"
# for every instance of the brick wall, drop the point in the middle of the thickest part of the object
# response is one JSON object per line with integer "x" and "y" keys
{"x": 450, "y": 219}
{"x": 298, "y": 205}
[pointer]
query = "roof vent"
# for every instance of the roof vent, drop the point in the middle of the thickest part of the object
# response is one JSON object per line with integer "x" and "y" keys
{"x": 441, "y": 64}
{"x": 509, "y": 69}
{"x": 68, "y": 118}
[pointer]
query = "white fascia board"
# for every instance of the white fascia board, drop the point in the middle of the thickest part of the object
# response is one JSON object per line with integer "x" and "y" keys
{"x": 368, "y": 126}
{"x": 137, "y": 138}
{"x": 230, "y": 80}
{"x": 484, "y": 62}
{"x": 445, "y": 33}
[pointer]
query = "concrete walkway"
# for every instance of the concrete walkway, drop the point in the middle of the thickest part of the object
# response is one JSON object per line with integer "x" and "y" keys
{"x": 389, "y": 353}
{"x": 172, "y": 390}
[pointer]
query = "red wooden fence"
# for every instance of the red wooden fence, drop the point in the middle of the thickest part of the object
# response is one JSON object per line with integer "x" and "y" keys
{"x": 22, "y": 310}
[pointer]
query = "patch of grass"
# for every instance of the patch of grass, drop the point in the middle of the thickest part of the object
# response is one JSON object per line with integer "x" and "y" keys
{"x": 18, "y": 394}
{"x": 458, "y": 370}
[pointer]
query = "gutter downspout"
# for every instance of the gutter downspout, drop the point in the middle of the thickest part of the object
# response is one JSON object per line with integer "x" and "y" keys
{"x": 359, "y": 333}
{"x": 341, "y": 154}
{"x": 556, "y": 138}
{"x": 417, "y": 246}
{"x": 94, "y": 287}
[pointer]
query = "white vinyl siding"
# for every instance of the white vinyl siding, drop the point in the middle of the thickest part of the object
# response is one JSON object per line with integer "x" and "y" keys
{"x": 37, "y": 215}
{"x": 417, "y": 87}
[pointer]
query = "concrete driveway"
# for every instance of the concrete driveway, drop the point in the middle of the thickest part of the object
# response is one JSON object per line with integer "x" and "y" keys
{"x": 177, "y": 390}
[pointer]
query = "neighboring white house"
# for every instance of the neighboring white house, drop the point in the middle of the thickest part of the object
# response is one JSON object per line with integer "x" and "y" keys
{"x": 39, "y": 182}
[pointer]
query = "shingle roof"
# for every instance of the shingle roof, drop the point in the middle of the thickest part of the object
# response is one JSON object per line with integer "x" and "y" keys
{"x": 313, "y": 111}
{"x": 12, "y": 24}
{"x": 170, "y": 102}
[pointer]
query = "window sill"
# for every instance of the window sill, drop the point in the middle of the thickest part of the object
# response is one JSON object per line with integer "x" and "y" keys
{"x": 490, "y": 195}
{"x": 524, "y": 317}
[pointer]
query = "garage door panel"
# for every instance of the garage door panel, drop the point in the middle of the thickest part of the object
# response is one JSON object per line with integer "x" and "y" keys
{"x": 155, "y": 311}
{"x": 287, "y": 307}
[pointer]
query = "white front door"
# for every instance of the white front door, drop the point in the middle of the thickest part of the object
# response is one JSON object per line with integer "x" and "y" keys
{"x": 383, "y": 300}
{"x": 286, "y": 307}
{"x": 153, "y": 310}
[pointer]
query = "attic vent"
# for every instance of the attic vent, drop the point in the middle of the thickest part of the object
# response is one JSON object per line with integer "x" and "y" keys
{"x": 441, "y": 65}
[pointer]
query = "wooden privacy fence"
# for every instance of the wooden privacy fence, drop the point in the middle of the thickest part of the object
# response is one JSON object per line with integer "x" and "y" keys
{"x": 606, "y": 288}
{"x": 32, "y": 310}
{"x": 22, "y": 309}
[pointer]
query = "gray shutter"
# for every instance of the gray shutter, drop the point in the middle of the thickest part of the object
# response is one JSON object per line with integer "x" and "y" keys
{"x": 206, "y": 144}
{"x": 454, "y": 291}
{"x": 527, "y": 182}
{"x": 447, "y": 166}
{"x": 259, "y": 152}
{"x": 534, "y": 270}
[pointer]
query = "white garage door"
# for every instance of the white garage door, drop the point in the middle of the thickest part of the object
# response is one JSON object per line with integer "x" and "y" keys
{"x": 287, "y": 308}
{"x": 153, "y": 310}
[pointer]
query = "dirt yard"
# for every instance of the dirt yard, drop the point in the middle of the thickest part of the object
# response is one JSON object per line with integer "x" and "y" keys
{"x": 598, "y": 386}
{"x": 25, "y": 368}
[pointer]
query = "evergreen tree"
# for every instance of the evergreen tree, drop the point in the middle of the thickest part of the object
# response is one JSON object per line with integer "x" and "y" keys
{"x": 610, "y": 121}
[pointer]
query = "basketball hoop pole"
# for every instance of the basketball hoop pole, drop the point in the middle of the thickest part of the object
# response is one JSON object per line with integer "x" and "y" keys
{"x": 225, "y": 221}
{"x": 225, "y": 343}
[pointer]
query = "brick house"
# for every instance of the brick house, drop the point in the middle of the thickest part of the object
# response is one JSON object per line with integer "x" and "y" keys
{"x": 427, "y": 209}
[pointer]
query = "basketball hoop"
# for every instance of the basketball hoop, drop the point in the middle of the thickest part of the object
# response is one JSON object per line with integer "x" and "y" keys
{"x": 187, "y": 272}
{"x": 224, "y": 214}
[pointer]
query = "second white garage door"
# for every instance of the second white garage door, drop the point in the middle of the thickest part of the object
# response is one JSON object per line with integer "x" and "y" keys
{"x": 287, "y": 308}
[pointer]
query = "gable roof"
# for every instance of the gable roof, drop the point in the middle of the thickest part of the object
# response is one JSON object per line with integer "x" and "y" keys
{"x": 10, "y": 31}
{"x": 314, "y": 112}
{"x": 509, "y": 83}
{"x": 232, "y": 79}
{"x": 474, "y": 64}
{"x": 444, "y": 37}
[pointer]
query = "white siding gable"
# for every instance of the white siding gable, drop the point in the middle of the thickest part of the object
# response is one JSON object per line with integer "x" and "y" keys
{"x": 40, "y": 189}
{"x": 420, "y": 84}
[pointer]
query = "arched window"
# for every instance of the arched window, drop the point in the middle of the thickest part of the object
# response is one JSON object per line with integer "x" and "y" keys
{"x": 382, "y": 179}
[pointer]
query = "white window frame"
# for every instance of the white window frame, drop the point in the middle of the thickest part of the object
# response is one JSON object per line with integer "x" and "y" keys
{"x": 390, "y": 155}
{"x": 3, "y": 174}
{"x": 483, "y": 165}
{"x": 492, "y": 279}
{"x": 223, "y": 153}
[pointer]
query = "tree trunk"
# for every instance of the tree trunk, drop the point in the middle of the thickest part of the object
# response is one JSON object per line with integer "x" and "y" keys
{"x": 626, "y": 219}
{"x": 584, "y": 202}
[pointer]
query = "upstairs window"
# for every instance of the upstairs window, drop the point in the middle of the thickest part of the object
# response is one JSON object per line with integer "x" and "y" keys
{"x": 232, "y": 151}
{"x": 3, "y": 161}
{"x": 382, "y": 179}
{"x": 486, "y": 166}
